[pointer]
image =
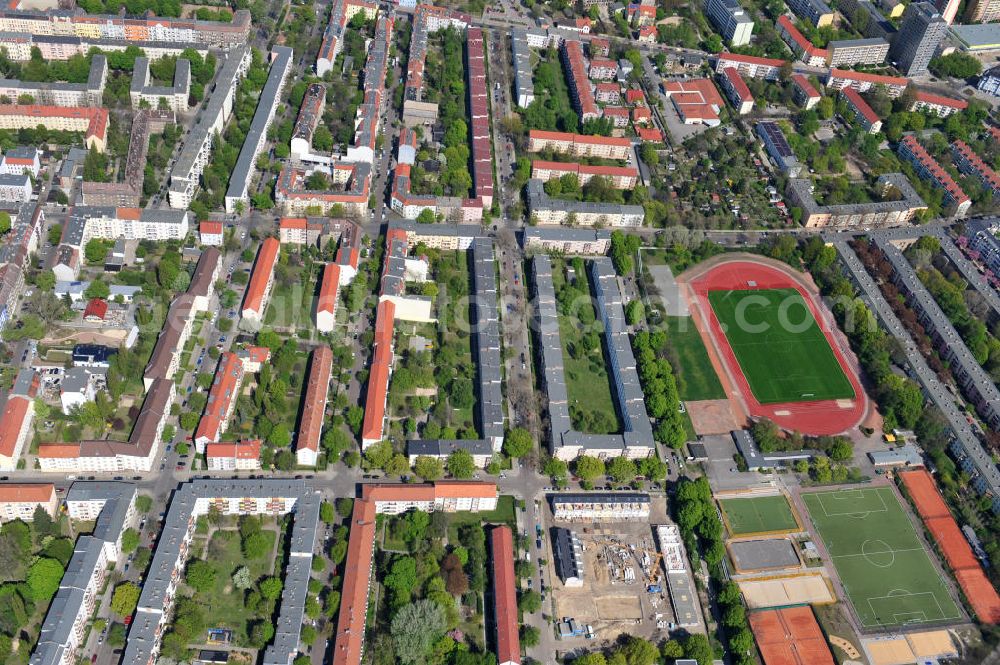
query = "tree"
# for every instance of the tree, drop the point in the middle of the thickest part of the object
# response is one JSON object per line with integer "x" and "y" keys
{"x": 43, "y": 578}
{"x": 415, "y": 627}
{"x": 588, "y": 468}
{"x": 378, "y": 454}
{"x": 557, "y": 469}
{"x": 345, "y": 506}
{"x": 97, "y": 289}
{"x": 698, "y": 648}
{"x": 261, "y": 633}
{"x": 143, "y": 503}
{"x": 255, "y": 545}
{"x": 529, "y": 634}
{"x": 125, "y": 599}
{"x": 672, "y": 649}
{"x": 518, "y": 442}
{"x": 402, "y": 579}
{"x": 841, "y": 451}
{"x": 622, "y": 469}
{"x": 596, "y": 658}
{"x": 428, "y": 468}
{"x": 241, "y": 578}
{"x": 634, "y": 312}
{"x": 529, "y": 601}
{"x": 199, "y": 575}
{"x": 326, "y": 512}
{"x": 116, "y": 634}
{"x": 270, "y": 588}
{"x": 461, "y": 465}
{"x": 130, "y": 541}
{"x": 638, "y": 651}
{"x": 956, "y": 64}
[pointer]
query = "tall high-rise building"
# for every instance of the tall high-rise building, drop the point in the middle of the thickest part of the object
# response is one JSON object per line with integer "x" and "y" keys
{"x": 914, "y": 45}
{"x": 983, "y": 11}
{"x": 948, "y": 9}
{"x": 731, "y": 20}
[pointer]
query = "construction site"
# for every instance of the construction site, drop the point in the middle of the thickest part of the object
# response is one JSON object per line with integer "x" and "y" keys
{"x": 621, "y": 577}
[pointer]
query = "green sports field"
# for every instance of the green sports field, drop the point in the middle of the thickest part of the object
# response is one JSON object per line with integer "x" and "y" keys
{"x": 759, "y": 514}
{"x": 779, "y": 346}
{"x": 884, "y": 567}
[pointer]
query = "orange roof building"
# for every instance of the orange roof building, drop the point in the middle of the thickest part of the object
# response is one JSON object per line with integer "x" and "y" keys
{"x": 314, "y": 406}
{"x": 838, "y": 79}
{"x": 18, "y": 501}
{"x": 803, "y": 91}
{"x": 928, "y": 169}
{"x": 349, "y": 639}
{"x": 326, "y": 306}
{"x": 696, "y": 101}
{"x": 15, "y": 426}
{"x": 378, "y": 377}
{"x": 970, "y": 163}
{"x": 221, "y": 400}
{"x": 259, "y": 290}
{"x": 96, "y": 310}
{"x": 504, "y": 597}
{"x": 233, "y": 455}
{"x": 91, "y": 122}
{"x": 863, "y": 113}
{"x": 579, "y": 145}
{"x": 621, "y": 177}
{"x": 937, "y": 104}
{"x": 211, "y": 233}
{"x": 801, "y": 46}
{"x": 750, "y": 65}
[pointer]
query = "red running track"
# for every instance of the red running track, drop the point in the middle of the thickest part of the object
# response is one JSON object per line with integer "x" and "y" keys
{"x": 818, "y": 418}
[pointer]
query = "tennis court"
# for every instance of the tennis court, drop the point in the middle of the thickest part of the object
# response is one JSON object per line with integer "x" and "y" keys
{"x": 759, "y": 514}
{"x": 780, "y": 348}
{"x": 883, "y": 565}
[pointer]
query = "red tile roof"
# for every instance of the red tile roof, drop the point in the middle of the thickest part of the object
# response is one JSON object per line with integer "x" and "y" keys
{"x": 228, "y": 376}
{"x": 328, "y": 289}
{"x": 855, "y": 100}
{"x": 800, "y": 40}
{"x": 939, "y": 100}
{"x": 314, "y": 403}
{"x": 751, "y": 59}
{"x": 11, "y": 423}
{"x": 297, "y": 223}
{"x": 210, "y": 228}
{"x": 55, "y": 450}
{"x": 876, "y": 79}
{"x": 805, "y": 85}
{"x": 649, "y": 134}
{"x": 942, "y": 177}
{"x": 504, "y": 597}
{"x": 738, "y": 84}
{"x": 572, "y": 167}
{"x": 27, "y": 492}
{"x": 96, "y": 309}
{"x": 378, "y": 376}
{"x": 249, "y": 449}
{"x": 578, "y": 138}
{"x": 982, "y": 169}
{"x": 97, "y": 117}
{"x": 262, "y": 271}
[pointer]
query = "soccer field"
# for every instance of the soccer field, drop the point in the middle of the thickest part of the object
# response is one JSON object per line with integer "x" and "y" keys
{"x": 759, "y": 514}
{"x": 884, "y": 567}
{"x": 779, "y": 346}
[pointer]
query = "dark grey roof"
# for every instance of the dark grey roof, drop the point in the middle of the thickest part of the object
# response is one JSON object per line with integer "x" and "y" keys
{"x": 445, "y": 447}
{"x": 568, "y": 554}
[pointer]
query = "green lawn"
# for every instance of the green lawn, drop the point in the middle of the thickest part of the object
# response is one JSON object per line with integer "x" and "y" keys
{"x": 504, "y": 514}
{"x": 759, "y": 514}
{"x": 696, "y": 376}
{"x": 779, "y": 346}
{"x": 223, "y": 604}
{"x": 588, "y": 384}
{"x": 885, "y": 569}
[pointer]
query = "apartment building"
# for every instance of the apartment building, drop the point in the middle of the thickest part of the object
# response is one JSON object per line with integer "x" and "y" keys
{"x": 165, "y": 359}
{"x": 16, "y": 418}
{"x": 20, "y": 161}
{"x": 233, "y": 456}
{"x": 237, "y": 195}
{"x": 372, "y": 428}
{"x": 970, "y": 163}
{"x": 89, "y": 94}
{"x": 352, "y": 181}
{"x": 816, "y": 12}
{"x": 579, "y": 145}
{"x": 194, "y": 499}
{"x": 341, "y": 12}
{"x": 105, "y": 456}
{"x": 608, "y": 93}
{"x": 524, "y": 84}
{"x": 620, "y": 177}
{"x": 162, "y": 97}
{"x": 326, "y": 305}
{"x": 927, "y": 168}
{"x": 863, "y": 113}
{"x": 127, "y": 192}
{"x": 777, "y": 147}
{"x": 308, "y": 119}
{"x": 506, "y": 622}
{"x": 804, "y": 93}
{"x": 853, "y": 52}
{"x": 85, "y": 223}
{"x": 210, "y": 122}
{"x": 838, "y": 79}
{"x": 899, "y": 205}
{"x": 261, "y": 281}
{"x": 348, "y": 648}
{"x": 565, "y": 240}
{"x": 547, "y": 210}
{"x": 575, "y": 66}
{"x": 600, "y": 508}
{"x": 750, "y": 66}
{"x": 314, "y": 406}
{"x": 918, "y": 38}
{"x": 92, "y": 122}
{"x": 731, "y": 20}
{"x": 221, "y": 402}
{"x": 736, "y": 91}
{"x": 696, "y": 101}
{"x": 15, "y": 188}
{"x": 937, "y": 104}
{"x": 602, "y": 69}
{"x": 802, "y": 47}
{"x": 211, "y": 233}
{"x": 19, "y": 501}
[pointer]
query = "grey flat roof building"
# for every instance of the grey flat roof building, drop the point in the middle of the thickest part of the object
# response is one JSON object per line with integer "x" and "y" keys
{"x": 569, "y": 557}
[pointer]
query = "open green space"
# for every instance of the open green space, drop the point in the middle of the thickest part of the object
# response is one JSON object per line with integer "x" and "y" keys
{"x": 588, "y": 385}
{"x": 779, "y": 346}
{"x": 883, "y": 566}
{"x": 759, "y": 514}
{"x": 696, "y": 377}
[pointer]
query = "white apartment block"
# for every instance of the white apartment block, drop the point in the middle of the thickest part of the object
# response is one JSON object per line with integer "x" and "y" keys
{"x": 15, "y": 188}
{"x": 19, "y": 161}
{"x": 18, "y": 501}
{"x": 600, "y": 508}
{"x": 236, "y": 456}
{"x": 731, "y": 20}
{"x": 579, "y": 145}
{"x": 15, "y": 427}
{"x": 167, "y": 98}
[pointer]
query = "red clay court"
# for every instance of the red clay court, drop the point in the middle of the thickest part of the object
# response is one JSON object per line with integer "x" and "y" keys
{"x": 790, "y": 636}
{"x": 818, "y": 418}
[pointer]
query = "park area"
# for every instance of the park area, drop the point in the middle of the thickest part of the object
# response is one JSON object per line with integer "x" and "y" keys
{"x": 696, "y": 378}
{"x": 882, "y": 563}
{"x": 758, "y": 515}
{"x": 780, "y": 348}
